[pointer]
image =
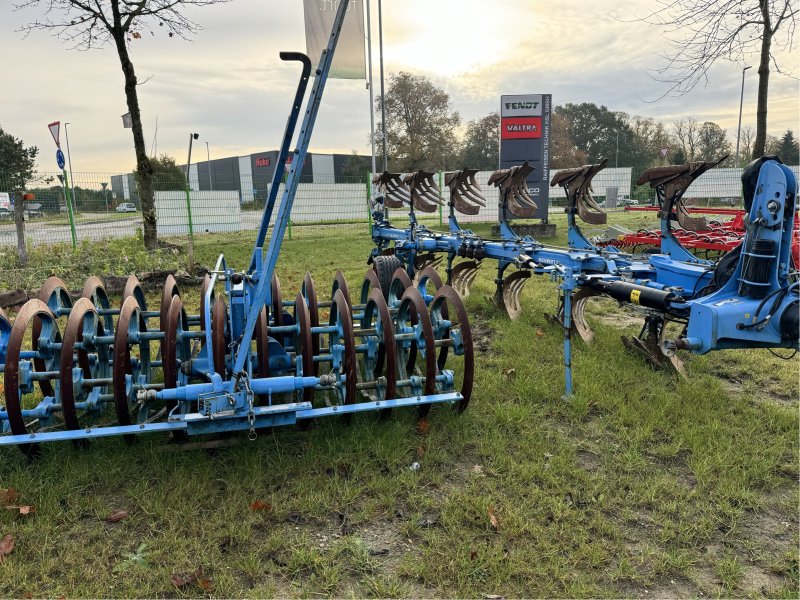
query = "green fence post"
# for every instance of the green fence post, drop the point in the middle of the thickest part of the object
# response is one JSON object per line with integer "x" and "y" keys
{"x": 69, "y": 209}
{"x": 369, "y": 198}
{"x": 191, "y": 228}
{"x": 440, "y": 206}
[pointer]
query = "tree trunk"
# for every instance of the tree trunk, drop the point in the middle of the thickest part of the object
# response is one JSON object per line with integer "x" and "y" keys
{"x": 144, "y": 170}
{"x": 19, "y": 218}
{"x": 763, "y": 84}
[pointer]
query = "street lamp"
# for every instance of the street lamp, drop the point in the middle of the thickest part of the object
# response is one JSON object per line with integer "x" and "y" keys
{"x": 210, "y": 178}
{"x": 739, "y": 129}
{"x": 192, "y": 136}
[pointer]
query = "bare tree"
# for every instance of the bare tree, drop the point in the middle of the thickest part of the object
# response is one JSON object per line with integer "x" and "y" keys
{"x": 88, "y": 24}
{"x": 686, "y": 133}
{"x": 747, "y": 138}
{"x": 705, "y": 31}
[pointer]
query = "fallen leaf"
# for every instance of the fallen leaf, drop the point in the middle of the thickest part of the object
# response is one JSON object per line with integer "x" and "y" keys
{"x": 423, "y": 427}
{"x": 473, "y": 555}
{"x": 206, "y": 584}
{"x": 117, "y": 515}
{"x": 509, "y": 373}
{"x": 477, "y": 469}
{"x": 8, "y": 496}
{"x": 493, "y": 597}
{"x": 136, "y": 35}
{"x": 539, "y": 333}
{"x": 260, "y": 505}
{"x": 180, "y": 580}
{"x": 27, "y": 595}
{"x": 420, "y": 451}
{"x": 493, "y": 518}
{"x": 6, "y": 546}
{"x": 26, "y": 510}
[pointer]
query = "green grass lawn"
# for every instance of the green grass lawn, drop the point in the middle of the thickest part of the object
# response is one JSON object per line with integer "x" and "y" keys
{"x": 641, "y": 485}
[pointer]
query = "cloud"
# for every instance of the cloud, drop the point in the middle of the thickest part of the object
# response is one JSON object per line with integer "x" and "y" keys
{"x": 229, "y": 85}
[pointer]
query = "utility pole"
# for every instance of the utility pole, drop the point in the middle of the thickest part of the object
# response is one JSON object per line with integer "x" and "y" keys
{"x": 210, "y": 178}
{"x": 369, "y": 85}
{"x": 383, "y": 93}
{"x": 192, "y": 136}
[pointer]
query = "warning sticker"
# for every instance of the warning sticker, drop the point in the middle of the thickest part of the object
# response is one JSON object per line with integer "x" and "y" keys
{"x": 635, "y": 296}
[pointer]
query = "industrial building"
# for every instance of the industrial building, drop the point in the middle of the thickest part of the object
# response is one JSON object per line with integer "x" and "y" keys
{"x": 251, "y": 175}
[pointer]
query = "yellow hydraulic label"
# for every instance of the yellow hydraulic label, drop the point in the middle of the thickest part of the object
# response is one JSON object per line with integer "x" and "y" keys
{"x": 635, "y": 296}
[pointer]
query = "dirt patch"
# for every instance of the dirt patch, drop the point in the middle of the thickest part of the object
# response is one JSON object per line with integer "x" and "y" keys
{"x": 587, "y": 460}
{"x": 482, "y": 335}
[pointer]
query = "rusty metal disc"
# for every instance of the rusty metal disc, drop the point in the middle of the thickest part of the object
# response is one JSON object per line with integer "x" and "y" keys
{"x": 579, "y": 322}
{"x": 33, "y": 310}
{"x": 5, "y": 332}
{"x": 219, "y": 336}
{"x": 134, "y": 288}
{"x": 377, "y": 314}
{"x": 448, "y": 296}
{"x": 310, "y": 294}
{"x": 343, "y": 320}
{"x": 55, "y": 295}
{"x": 414, "y": 306}
{"x": 304, "y": 345}
{"x": 73, "y": 333}
{"x": 175, "y": 348}
{"x": 371, "y": 281}
{"x": 129, "y": 325}
{"x": 400, "y": 283}
{"x": 95, "y": 291}
{"x": 340, "y": 283}
{"x": 170, "y": 290}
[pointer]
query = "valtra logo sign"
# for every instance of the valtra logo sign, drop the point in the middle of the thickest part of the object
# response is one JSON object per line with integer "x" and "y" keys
{"x": 515, "y": 128}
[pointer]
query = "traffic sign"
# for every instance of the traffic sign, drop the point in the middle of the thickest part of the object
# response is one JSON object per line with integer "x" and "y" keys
{"x": 54, "y": 128}
{"x": 60, "y": 158}
{"x": 663, "y": 152}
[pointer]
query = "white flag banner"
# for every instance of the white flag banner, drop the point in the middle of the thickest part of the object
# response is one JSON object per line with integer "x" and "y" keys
{"x": 348, "y": 60}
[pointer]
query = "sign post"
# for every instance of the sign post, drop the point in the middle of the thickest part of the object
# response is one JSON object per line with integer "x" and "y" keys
{"x": 525, "y": 136}
{"x": 55, "y": 129}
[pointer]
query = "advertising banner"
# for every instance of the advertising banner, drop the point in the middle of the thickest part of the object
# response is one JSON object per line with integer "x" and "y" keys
{"x": 348, "y": 60}
{"x": 525, "y": 136}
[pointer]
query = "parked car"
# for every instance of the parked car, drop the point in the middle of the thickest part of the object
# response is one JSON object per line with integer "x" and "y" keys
{"x": 631, "y": 202}
{"x": 5, "y": 213}
{"x": 126, "y": 207}
{"x": 32, "y": 213}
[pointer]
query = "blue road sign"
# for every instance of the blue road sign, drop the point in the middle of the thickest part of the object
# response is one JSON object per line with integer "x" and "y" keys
{"x": 60, "y": 158}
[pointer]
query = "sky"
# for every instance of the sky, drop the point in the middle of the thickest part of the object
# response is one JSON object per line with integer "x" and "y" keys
{"x": 228, "y": 85}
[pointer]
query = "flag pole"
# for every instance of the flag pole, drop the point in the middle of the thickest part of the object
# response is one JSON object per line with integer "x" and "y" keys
{"x": 383, "y": 95}
{"x": 369, "y": 84}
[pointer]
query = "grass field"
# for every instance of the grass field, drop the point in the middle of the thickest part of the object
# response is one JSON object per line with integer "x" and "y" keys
{"x": 641, "y": 485}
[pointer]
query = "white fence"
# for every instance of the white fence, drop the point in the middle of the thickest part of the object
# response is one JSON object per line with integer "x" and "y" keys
{"x": 212, "y": 212}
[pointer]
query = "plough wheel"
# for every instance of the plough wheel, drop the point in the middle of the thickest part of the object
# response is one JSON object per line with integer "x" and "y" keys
{"x": 95, "y": 291}
{"x": 371, "y": 282}
{"x": 134, "y": 289}
{"x": 176, "y": 348}
{"x": 170, "y": 290}
{"x": 508, "y": 298}
{"x": 277, "y": 302}
{"x": 220, "y": 337}
{"x": 341, "y": 318}
{"x": 340, "y": 284}
{"x": 412, "y": 312}
{"x": 55, "y": 295}
{"x": 462, "y": 275}
{"x": 305, "y": 345}
{"x": 447, "y": 299}
{"x": 385, "y": 268}
{"x": 378, "y": 316}
{"x": 83, "y": 318}
{"x": 262, "y": 345}
{"x": 130, "y": 369}
{"x": 310, "y": 294}
{"x": 37, "y": 311}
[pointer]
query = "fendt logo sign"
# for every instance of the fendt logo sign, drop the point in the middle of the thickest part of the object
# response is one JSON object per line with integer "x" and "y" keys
{"x": 527, "y": 105}
{"x": 521, "y": 128}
